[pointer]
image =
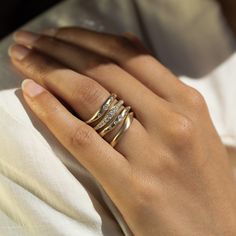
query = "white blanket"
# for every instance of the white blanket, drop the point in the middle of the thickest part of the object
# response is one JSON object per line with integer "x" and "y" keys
{"x": 43, "y": 190}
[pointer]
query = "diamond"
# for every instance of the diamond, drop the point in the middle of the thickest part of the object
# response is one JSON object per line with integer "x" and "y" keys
{"x": 103, "y": 109}
{"x": 116, "y": 121}
{"x": 109, "y": 115}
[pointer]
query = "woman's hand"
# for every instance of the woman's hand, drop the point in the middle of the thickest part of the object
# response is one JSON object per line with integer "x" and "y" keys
{"x": 169, "y": 174}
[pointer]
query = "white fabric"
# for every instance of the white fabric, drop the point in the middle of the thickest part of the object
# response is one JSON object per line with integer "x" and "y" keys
{"x": 43, "y": 190}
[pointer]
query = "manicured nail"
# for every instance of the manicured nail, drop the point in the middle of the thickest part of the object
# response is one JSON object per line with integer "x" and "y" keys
{"x": 30, "y": 88}
{"x": 18, "y": 52}
{"x": 25, "y": 37}
{"x": 50, "y": 31}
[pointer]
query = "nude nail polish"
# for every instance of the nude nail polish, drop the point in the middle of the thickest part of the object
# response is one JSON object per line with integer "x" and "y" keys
{"x": 18, "y": 52}
{"x": 30, "y": 88}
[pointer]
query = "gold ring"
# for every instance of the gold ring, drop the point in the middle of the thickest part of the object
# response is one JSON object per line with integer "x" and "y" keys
{"x": 116, "y": 121}
{"x": 101, "y": 111}
{"x": 110, "y": 115}
{"x": 127, "y": 122}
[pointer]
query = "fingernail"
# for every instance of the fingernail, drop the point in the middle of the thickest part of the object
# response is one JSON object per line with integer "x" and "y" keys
{"x": 30, "y": 88}
{"x": 50, "y": 31}
{"x": 18, "y": 52}
{"x": 25, "y": 37}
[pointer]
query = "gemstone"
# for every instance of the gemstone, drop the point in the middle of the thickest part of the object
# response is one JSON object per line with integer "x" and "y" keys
{"x": 105, "y": 107}
{"x": 109, "y": 115}
{"x": 119, "y": 118}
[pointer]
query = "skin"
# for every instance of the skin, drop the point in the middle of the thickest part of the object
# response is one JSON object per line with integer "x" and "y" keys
{"x": 170, "y": 173}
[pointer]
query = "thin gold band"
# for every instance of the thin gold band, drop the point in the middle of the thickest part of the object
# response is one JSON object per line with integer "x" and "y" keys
{"x": 109, "y": 115}
{"x": 127, "y": 122}
{"x": 102, "y": 110}
{"x": 111, "y": 126}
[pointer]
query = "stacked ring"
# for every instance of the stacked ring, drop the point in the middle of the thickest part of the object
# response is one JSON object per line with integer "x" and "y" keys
{"x": 110, "y": 115}
{"x": 103, "y": 109}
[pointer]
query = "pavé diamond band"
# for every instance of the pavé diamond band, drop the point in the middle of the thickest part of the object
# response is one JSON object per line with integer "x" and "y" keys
{"x": 110, "y": 116}
{"x": 112, "y": 125}
{"x": 102, "y": 110}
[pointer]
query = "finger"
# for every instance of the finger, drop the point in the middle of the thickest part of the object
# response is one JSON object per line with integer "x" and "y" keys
{"x": 83, "y": 94}
{"x": 140, "y": 64}
{"x": 108, "y": 74}
{"x": 108, "y": 166}
{"x": 137, "y": 42}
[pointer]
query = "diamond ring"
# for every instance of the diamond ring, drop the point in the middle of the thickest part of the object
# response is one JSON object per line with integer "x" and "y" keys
{"x": 111, "y": 115}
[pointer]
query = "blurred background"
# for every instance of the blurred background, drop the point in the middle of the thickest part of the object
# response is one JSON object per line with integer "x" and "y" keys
{"x": 14, "y": 13}
{"x": 194, "y": 30}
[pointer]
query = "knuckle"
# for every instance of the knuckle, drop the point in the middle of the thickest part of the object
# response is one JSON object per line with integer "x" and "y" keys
{"x": 29, "y": 64}
{"x": 37, "y": 66}
{"x": 87, "y": 92}
{"x": 83, "y": 135}
{"x": 143, "y": 195}
{"x": 182, "y": 131}
{"x": 146, "y": 196}
{"x": 195, "y": 99}
{"x": 142, "y": 187}
{"x": 34, "y": 67}
{"x": 166, "y": 72}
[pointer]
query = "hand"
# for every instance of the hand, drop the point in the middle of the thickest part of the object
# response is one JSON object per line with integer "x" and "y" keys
{"x": 169, "y": 174}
